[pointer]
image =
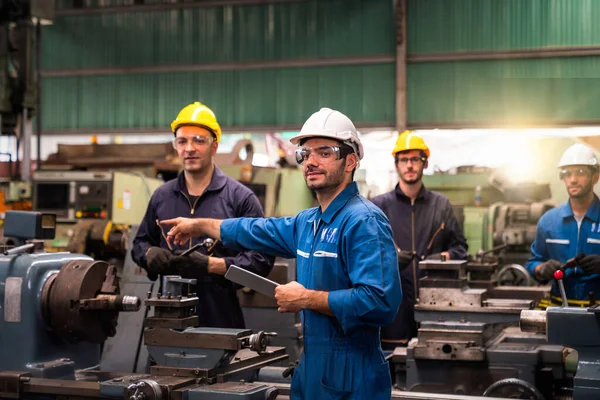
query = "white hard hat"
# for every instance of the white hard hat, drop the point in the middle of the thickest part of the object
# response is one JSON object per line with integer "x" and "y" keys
{"x": 333, "y": 124}
{"x": 578, "y": 154}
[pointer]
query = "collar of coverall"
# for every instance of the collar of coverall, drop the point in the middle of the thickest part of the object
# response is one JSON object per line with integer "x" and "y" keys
{"x": 399, "y": 193}
{"x": 593, "y": 213}
{"x": 217, "y": 182}
{"x": 337, "y": 204}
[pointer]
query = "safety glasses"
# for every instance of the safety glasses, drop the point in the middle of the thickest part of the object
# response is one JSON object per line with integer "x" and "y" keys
{"x": 180, "y": 143}
{"x": 413, "y": 160}
{"x": 579, "y": 172}
{"x": 322, "y": 154}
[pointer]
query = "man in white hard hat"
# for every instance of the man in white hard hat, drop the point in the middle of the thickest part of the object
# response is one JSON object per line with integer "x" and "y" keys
{"x": 348, "y": 282}
{"x": 571, "y": 229}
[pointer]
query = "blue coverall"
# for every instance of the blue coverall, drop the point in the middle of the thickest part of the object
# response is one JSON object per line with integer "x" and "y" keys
{"x": 349, "y": 252}
{"x": 559, "y": 238}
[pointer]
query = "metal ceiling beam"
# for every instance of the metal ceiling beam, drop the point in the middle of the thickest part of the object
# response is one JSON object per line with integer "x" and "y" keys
{"x": 541, "y": 52}
{"x": 290, "y": 63}
{"x": 370, "y": 126}
{"x": 167, "y": 6}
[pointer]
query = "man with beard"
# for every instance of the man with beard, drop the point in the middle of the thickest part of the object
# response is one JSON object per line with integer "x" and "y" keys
{"x": 571, "y": 229}
{"x": 348, "y": 284}
{"x": 201, "y": 190}
{"x": 424, "y": 226}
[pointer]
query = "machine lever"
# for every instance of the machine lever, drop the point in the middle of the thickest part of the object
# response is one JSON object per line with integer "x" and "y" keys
{"x": 559, "y": 275}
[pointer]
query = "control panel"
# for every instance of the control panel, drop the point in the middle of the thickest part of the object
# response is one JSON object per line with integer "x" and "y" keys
{"x": 73, "y": 195}
{"x": 120, "y": 197}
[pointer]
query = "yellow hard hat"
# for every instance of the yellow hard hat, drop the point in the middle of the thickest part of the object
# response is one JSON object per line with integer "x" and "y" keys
{"x": 197, "y": 114}
{"x": 408, "y": 140}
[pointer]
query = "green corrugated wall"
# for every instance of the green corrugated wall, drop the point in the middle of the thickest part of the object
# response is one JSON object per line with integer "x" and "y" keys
{"x": 107, "y": 43}
{"x": 534, "y": 92}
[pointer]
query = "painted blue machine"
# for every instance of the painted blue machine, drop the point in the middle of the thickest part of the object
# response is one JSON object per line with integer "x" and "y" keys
{"x": 577, "y": 328}
{"x": 56, "y": 309}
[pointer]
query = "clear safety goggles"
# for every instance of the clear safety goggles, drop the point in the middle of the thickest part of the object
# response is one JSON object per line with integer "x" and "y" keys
{"x": 322, "y": 154}
{"x": 579, "y": 172}
{"x": 413, "y": 160}
{"x": 180, "y": 143}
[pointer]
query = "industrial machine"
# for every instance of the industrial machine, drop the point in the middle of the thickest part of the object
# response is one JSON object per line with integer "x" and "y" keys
{"x": 468, "y": 339}
{"x": 577, "y": 328}
{"x": 65, "y": 305}
{"x": 499, "y": 219}
{"x": 95, "y": 210}
{"x": 189, "y": 362}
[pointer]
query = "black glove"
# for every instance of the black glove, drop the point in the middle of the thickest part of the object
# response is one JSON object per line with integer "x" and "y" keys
{"x": 405, "y": 257}
{"x": 194, "y": 265}
{"x": 157, "y": 260}
{"x": 545, "y": 271}
{"x": 590, "y": 264}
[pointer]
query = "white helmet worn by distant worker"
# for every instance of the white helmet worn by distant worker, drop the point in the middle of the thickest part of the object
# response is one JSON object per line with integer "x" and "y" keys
{"x": 578, "y": 154}
{"x": 333, "y": 124}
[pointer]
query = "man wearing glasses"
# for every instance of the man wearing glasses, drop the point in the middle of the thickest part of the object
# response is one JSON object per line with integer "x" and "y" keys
{"x": 348, "y": 283}
{"x": 201, "y": 190}
{"x": 571, "y": 229}
{"x": 424, "y": 226}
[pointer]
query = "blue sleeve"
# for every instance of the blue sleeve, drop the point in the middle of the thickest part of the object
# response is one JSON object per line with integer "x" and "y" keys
{"x": 370, "y": 257}
{"x": 148, "y": 235}
{"x": 539, "y": 253}
{"x": 250, "y": 260}
{"x": 275, "y": 236}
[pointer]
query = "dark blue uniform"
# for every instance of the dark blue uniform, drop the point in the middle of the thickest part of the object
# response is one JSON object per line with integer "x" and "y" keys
{"x": 347, "y": 251}
{"x": 224, "y": 198}
{"x": 427, "y": 227}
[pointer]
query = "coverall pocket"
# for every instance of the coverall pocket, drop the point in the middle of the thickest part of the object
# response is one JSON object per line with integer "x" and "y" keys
{"x": 338, "y": 375}
{"x": 334, "y": 394}
{"x": 378, "y": 384}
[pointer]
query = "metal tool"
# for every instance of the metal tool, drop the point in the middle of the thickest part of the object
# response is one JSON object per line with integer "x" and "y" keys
{"x": 573, "y": 262}
{"x": 251, "y": 280}
{"x": 208, "y": 243}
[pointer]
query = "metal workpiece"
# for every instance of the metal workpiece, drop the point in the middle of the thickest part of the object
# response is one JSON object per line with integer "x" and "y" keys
{"x": 111, "y": 302}
{"x": 534, "y": 321}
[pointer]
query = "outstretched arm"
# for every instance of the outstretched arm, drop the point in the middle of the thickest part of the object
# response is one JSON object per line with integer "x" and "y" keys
{"x": 183, "y": 229}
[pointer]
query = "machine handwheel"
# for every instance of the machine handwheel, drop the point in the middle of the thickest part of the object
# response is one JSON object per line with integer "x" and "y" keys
{"x": 513, "y": 388}
{"x": 514, "y": 275}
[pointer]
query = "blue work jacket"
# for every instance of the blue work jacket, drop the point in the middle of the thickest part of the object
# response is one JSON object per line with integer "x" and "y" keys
{"x": 348, "y": 251}
{"x": 223, "y": 198}
{"x": 559, "y": 238}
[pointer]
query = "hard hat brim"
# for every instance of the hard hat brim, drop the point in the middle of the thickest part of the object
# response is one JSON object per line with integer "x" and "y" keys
{"x": 198, "y": 125}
